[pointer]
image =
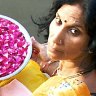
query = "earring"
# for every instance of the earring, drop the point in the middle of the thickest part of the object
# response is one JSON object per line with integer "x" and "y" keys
{"x": 89, "y": 51}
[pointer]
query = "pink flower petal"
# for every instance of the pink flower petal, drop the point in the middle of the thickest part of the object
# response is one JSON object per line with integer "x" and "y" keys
{"x": 13, "y": 47}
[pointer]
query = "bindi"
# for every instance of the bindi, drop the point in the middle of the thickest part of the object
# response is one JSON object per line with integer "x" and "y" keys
{"x": 65, "y": 21}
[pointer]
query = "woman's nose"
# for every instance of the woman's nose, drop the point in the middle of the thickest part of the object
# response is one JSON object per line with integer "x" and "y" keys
{"x": 58, "y": 38}
{"x": 57, "y": 33}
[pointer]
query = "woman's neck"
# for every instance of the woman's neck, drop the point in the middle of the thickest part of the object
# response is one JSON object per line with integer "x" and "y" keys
{"x": 68, "y": 68}
{"x": 71, "y": 67}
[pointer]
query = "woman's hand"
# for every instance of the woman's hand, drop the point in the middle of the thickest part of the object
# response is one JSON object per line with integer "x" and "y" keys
{"x": 39, "y": 52}
{"x": 39, "y": 55}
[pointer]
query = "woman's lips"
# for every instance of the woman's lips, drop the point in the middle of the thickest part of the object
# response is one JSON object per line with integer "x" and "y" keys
{"x": 54, "y": 50}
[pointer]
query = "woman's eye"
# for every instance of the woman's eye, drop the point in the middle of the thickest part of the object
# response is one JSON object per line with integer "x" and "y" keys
{"x": 74, "y": 32}
{"x": 58, "y": 21}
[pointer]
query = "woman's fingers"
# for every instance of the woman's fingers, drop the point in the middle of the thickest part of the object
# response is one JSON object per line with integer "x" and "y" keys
{"x": 35, "y": 43}
{"x": 39, "y": 50}
{"x": 35, "y": 49}
{"x": 39, "y": 54}
{"x": 49, "y": 67}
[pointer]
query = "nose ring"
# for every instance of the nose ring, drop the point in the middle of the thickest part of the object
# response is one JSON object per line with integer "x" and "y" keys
{"x": 60, "y": 42}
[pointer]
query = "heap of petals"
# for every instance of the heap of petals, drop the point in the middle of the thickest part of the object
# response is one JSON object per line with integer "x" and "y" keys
{"x": 13, "y": 47}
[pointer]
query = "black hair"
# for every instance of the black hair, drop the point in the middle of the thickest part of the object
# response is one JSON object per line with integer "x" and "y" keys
{"x": 89, "y": 9}
{"x": 90, "y": 18}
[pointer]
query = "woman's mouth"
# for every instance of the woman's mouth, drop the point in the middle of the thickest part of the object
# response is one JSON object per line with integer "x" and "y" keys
{"x": 54, "y": 50}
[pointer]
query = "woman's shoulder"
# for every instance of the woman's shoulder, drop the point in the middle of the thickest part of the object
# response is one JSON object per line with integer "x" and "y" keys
{"x": 58, "y": 85}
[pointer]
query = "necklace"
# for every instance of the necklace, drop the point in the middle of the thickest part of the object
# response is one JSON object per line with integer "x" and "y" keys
{"x": 75, "y": 75}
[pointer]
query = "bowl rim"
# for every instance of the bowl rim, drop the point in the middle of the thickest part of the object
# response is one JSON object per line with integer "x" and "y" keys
{"x": 29, "y": 51}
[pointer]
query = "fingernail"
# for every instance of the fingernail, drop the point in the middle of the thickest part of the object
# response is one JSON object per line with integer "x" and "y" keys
{"x": 49, "y": 62}
{"x": 43, "y": 66}
{"x": 33, "y": 38}
{"x": 36, "y": 52}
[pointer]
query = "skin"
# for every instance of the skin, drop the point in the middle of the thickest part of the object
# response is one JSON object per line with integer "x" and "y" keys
{"x": 68, "y": 26}
{"x": 72, "y": 33}
{"x": 40, "y": 56}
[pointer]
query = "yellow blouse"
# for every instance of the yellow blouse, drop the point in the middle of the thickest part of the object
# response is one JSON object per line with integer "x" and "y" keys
{"x": 30, "y": 76}
{"x": 58, "y": 86}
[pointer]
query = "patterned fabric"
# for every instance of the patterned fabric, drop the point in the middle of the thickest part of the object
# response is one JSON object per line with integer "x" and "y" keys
{"x": 32, "y": 77}
{"x": 58, "y": 86}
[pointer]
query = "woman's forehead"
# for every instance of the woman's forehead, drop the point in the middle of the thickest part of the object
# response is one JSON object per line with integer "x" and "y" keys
{"x": 70, "y": 10}
{"x": 71, "y": 13}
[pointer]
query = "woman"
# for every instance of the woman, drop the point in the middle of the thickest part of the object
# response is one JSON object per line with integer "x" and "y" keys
{"x": 72, "y": 41}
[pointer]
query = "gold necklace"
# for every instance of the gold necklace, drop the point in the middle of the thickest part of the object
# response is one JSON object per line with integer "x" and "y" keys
{"x": 75, "y": 75}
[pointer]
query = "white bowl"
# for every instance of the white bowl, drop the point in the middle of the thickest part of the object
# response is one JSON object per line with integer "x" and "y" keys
{"x": 29, "y": 51}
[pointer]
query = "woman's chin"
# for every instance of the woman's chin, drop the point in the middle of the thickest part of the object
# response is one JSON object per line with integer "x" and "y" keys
{"x": 53, "y": 56}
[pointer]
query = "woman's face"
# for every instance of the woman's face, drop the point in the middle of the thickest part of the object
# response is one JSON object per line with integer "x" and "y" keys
{"x": 68, "y": 38}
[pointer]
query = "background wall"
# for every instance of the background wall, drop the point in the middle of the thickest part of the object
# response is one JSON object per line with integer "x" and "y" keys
{"x": 21, "y": 10}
